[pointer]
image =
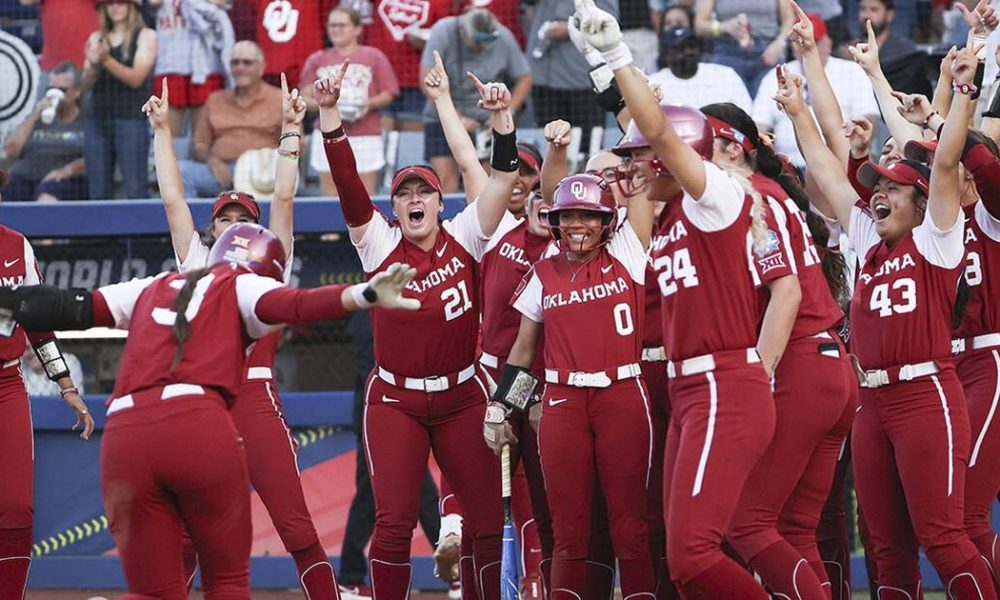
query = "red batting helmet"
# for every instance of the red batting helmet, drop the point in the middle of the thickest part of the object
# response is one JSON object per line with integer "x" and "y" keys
{"x": 689, "y": 123}
{"x": 588, "y": 193}
{"x": 252, "y": 248}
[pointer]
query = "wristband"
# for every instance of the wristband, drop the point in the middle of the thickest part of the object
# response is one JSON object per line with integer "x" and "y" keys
{"x": 50, "y": 356}
{"x": 978, "y": 80}
{"x": 611, "y": 99}
{"x": 363, "y": 295}
{"x": 927, "y": 121}
{"x": 601, "y": 77}
{"x": 516, "y": 388}
{"x": 289, "y": 134}
{"x": 618, "y": 57}
{"x": 496, "y": 413}
{"x": 289, "y": 154}
{"x": 504, "y": 155}
{"x": 967, "y": 89}
{"x": 335, "y": 136}
{"x": 68, "y": 390}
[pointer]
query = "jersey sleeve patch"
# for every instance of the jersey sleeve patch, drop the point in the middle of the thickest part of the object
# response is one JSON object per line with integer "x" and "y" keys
{"x": 379, "y": 241}
{"x": 249, "y": 288}
{"x": 528, "y": 297}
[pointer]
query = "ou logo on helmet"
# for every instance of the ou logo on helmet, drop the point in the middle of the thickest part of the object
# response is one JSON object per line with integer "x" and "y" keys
{"x": 281, "y": 20}
{"x": 579, "y": 190}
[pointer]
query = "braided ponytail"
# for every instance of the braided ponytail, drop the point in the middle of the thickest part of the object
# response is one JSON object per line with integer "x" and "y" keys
{"x": 182, "y": 328}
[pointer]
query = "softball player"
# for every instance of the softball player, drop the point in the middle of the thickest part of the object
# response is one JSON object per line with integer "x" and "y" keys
{"x": 426, "y": 390}
{"x": 774, "y": 527}
{"x": 911, "y": 438}
{"x": 270, "y": 448}
{"x": 180, "y": 372}
{"x": 722, "y": 411}
{"x": 595, "y": 413}
{"x": 16, "y": 436}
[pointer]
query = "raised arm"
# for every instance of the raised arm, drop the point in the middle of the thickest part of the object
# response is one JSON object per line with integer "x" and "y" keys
{"x": 823, "y": 165}
{"x": 640, "y": 215}
{"x": 944, "y": 202}
{"x": 437, "y": 88}
{"x": 821, "y": 94}
{"x": 554, "y": 167}
{"x": 492, "y": 202}
{"x": 355, "y": 202}
{"x": 286, "y": 170}
{"x": 168, "y": 175}
{"x": 866, "y": 55}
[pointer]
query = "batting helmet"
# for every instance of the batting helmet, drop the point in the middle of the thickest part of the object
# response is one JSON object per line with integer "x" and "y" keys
{"x": 252, "y": 248}
{"x": 689, "y": 123}
{"x": 587, "y": 193}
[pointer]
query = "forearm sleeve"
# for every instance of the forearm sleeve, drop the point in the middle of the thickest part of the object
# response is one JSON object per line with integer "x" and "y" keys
{"x": 354, "y": 200}
{"x": 296, "y": 305}
{"x": 48, "y": 308}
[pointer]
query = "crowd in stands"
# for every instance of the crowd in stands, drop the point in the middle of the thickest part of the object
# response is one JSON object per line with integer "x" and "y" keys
{"x": 221, "y": 62}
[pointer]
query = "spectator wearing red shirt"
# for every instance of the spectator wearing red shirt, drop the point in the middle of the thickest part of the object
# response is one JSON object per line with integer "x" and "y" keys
{"x": 288, "y": 31}
{"x": 369, "y": 86}
{"x": 66, "y": 25}
{"x": 399, "y": 29}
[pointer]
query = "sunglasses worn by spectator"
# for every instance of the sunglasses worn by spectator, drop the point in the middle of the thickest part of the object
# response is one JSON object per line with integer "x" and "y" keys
{"x": 242, "y": 62}
{"x": 338, "y": 25}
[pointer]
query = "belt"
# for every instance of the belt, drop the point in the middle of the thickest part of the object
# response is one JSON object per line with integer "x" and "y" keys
{"x": 437, "y": 383}
{"x": 169, "y": 391}
{"x": 706, "y": 362}
{"x": 592, "y": 379}
{"x": 489, "y": 360}
{"x": 259, "y": 373}
{"x": 654, "y": 354}
{"x": 987, "y": 340}
{"x": 882, "y": 377}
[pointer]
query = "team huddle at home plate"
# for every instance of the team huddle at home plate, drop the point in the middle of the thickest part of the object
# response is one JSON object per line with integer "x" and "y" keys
{"x": 679, "y": 351}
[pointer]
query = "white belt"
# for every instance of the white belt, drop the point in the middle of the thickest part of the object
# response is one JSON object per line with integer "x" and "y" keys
{"x": 596, "y": 379}
{"x": 10, "y": 363}
{"x": 656, "y": 354}
{"x": 427, "y": 384}
{"x": 169, "y": 391}
{"x": 882, "y": 377}
{"x": 259, "y": 373}
{"x": 703, "y": 364}
{"x": 987, "y": 340}
{"x": 488, "y": 360}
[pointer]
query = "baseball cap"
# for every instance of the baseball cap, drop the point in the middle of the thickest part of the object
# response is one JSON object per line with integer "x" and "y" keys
{"x": 479, "y": 25}
{"x": 678, "y": 37}
{"x": 528, "y": 159}
{"x": 907, "y": 172}
{"x": 423, "y": 173}
{"x": 920, "y": 150}
{"x": 819, "y": 26}
{"x": 232, "y": 197}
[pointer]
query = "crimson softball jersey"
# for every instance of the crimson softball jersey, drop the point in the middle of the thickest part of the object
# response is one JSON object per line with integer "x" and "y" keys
{"x": 508, "y": 257}
{"x": 222, "y": 319}
{"x": 592, "y": 310}
{"x": 19, "y": 267}
{"x": 901, "y": 310}
{"x": 652, "y": 323}
{"x": 982, "y": 272}
{"x": 441, "y": 336}
{"x": 706, "y": 279}
{"x": 796, "y": 254}
{"x": 260, "y": 362}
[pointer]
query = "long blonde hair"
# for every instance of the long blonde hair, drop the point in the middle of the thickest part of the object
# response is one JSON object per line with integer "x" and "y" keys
{"x": 133, "y": 23}
{"x": 758, "y": 226}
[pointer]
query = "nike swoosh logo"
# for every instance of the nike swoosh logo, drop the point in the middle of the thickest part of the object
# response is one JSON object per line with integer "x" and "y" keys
{"x": 10, "y": 263}
{"x": 440, "y": 252}
{"x": 554, "y": 402}
{"x": 607, "y": 268}
{"x": 389, "y": 400}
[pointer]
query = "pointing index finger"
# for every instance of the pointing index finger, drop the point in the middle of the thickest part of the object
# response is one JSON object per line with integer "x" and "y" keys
{"x": 480, "y": 87}
{"x": 871, "y": 34}
{"x": 284, "y": 85}
{"x": 165, "y": 92}
{"x": 437, "y": 61}
{"x": 798, "y": 11}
